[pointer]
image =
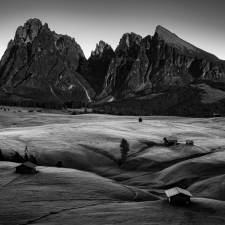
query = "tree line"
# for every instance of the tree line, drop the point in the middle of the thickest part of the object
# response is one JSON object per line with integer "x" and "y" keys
{"x": 183, "y": 101}
{"x": 147, "y": 107}
{"x": 15, "y": 156}
{"x": 45, "y": 105}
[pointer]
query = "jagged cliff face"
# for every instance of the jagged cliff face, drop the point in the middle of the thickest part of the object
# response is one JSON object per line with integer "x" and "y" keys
{"x": 95, "y": 68}
{"x": 42, "y": 65}
{"x": 157, "y": 63}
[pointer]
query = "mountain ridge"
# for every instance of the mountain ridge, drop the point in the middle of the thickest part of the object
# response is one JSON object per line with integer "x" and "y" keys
{"x": 39, "y": 60}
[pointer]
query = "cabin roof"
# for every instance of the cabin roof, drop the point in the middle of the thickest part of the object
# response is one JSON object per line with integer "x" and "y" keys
{"x": 176, "y": 190}
{"x": 28, "y": 164}
{"x": 172, "y": 138}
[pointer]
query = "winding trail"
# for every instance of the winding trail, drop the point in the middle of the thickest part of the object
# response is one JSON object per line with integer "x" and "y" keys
{"x": 63, "y": 210}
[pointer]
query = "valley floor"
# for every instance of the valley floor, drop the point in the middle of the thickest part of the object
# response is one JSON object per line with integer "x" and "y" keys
{"x": 92, "y": 188}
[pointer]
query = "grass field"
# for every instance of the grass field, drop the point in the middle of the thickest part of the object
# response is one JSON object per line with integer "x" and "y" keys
{"x": 92, "y": 188}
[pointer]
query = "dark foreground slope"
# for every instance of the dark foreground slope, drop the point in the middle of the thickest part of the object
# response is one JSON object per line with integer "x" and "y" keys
{"x": 67, "y": 196}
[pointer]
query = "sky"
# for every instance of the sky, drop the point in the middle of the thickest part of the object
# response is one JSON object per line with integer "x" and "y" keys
{"x": 199, "y": 22}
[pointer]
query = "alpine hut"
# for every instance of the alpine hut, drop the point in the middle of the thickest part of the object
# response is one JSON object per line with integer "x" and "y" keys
{"x": 169, "y": 141}
{"x": 26, "y": 168}
{"x": 178, "y": 196}
{"x": 189, "y": 142}
{"x": 217, "y": 115}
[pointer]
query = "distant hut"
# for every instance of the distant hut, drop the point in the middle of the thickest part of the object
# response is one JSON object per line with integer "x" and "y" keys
{"x": 170, "y": 141}
{"x": 217, "y": 115}
{"x": 178, "y": 196}
{"x": 189, "y": 142}
{"x": 26, "y": 168}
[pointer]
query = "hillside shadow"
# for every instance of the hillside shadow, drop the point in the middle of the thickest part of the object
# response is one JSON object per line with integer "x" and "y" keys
{"x": 100, "y": 151}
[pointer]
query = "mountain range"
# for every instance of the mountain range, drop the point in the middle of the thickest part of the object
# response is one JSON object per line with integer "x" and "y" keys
{"x": 41, "y": 65}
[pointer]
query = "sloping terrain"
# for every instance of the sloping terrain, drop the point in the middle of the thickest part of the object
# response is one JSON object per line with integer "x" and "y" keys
{"x": 212, "y": 188}
{"x": 56, "y": 196}
{"x": 94, "y": 189}
{"x": 54, "y": 190}
{"x": 210, "y": 94}
{"x": 201, "y": 212}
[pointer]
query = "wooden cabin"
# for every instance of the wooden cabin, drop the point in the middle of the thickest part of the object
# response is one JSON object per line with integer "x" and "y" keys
{"x": 178, "y": 196}
{"x": 189, "y": 142}
{"x": 26, "y": 168}
{"x": 170, "y": 141}
{"x": 217, "y": 115}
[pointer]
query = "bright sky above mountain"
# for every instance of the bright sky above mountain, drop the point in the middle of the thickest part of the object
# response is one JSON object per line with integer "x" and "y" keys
{"x": 200, "y": 22}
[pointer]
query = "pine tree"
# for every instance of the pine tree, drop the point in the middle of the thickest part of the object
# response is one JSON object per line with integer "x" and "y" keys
{"x": 1, "y": 156}
{"x": 16, "y": 157}
{"x": 124, "y": 149}
{"x": 26, "y": 158}
{"x": 33, "y": 159}
{"x": 114, "y": 111}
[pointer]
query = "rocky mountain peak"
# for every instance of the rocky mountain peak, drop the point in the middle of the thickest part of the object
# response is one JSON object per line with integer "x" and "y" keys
{"x": 173, "y": 39}
{"x": 127, "y": 41}
{"x": 28, "y": 32}
{"x": 101, "y": 48}
{"x": 41, "y": 61}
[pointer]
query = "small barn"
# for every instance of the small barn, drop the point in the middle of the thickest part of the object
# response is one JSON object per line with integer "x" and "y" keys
{"x": 217, "y": 115}
{"x": 189, "y": 142}
{"x": 26, "y": 168}
{"x": 178, "y": 196}
{"x": 170, "y": 141}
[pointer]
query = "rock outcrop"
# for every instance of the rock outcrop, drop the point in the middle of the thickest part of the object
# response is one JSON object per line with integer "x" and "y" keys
{"x": 157, "y": 63}
{"x": 42, "y": 65}
{"x": 95, "y": 68}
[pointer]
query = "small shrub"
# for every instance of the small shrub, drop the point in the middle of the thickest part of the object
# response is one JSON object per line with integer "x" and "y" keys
{"x": 1, "y": 156}
{"x": 140, "y": 119}
{"x": 59, "y": 164}
{"x": 73, "y": 113}
{"x": 30, "y": 111}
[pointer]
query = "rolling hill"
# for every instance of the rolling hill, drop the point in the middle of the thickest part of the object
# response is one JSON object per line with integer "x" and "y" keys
{"x": 92, "y": 187}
